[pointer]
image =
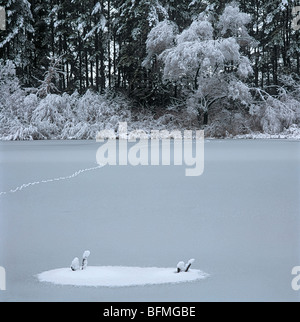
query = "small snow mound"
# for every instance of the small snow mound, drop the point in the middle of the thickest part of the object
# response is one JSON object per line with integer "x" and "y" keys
{"x": 117, "y": 276}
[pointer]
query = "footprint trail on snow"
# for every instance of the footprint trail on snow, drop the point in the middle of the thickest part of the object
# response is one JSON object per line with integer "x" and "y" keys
{"x": 29, "y": 184}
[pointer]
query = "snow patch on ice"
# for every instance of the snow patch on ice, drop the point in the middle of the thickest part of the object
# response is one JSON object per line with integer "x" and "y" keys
{"x": 117, "y": 276}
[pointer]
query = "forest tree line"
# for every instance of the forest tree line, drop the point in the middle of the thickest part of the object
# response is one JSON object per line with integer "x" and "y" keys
{"x": 232, "y": 65}
{"x": 102, "y": 43}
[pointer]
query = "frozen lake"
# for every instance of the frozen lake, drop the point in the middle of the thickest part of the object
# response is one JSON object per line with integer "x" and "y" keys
{"x": 240, "y": 220}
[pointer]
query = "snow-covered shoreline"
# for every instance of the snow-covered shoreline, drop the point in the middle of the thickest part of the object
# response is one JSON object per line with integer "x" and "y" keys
{"x": 25, "y": 116}
{"x": 249, "y": 136}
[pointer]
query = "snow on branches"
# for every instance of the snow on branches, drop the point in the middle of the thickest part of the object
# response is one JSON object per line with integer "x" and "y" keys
{"x": 206, "y": 66}
{"x": 75, "y": 265}
{"x": 51, "y": 76}
{"x": 232, "y": 23}
{"x": 182, "y": 267}
{"x": 160, "y": 38}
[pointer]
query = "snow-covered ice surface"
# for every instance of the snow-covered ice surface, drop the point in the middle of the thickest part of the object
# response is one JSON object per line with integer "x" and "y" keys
{"x": 114, "y": 276}
{"x": 239, "y": 220}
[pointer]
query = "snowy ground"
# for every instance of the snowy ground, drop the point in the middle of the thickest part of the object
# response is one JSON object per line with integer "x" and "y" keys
{"x": 239, "y": 220}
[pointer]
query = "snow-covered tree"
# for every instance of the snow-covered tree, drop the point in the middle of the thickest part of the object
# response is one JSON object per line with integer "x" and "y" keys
{"x": 51, "y": 78}
{"x": 160, "y": 38}
{"x": 135, "y": 20}
{"x": 11, "y": 94}
{"x": 274, "y": 114}
{"x": 177, "y": 60}
{"x": 207, "y": 68}
{"x": 42, "y": 40}
{"x": 14, "y": 113}
{"x": 232, "y": 23}
{"x": 15, "y": 42}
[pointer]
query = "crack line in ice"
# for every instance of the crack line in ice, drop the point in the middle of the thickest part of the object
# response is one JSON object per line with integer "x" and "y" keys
{"x": 26, "y": 185}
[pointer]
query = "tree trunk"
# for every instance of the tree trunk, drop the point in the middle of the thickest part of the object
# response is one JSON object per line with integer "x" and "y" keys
{"x": 102, "y": 69}
{"x": 86, "y": 68}
{"x": 97, "y": 62}
{"x": 275, "y": 66}
{"x": 92, "y": 78}
{"x": 108, "y": 43}
{"x": 80, "y": 63}
{"x": 205, "y": 118}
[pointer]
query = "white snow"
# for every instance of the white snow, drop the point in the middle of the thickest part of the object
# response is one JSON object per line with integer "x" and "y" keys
{"x": 86, "y": 254}
{"x": 118, "y": 276}
{"x": 191, "y": 261}
{"x": 292, "y": 133}
{"x": 75, "y": 264}
{"x": 181, "y": 266}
